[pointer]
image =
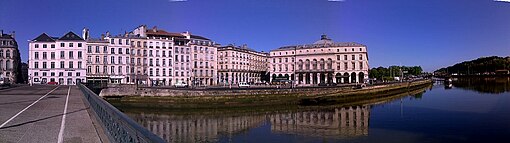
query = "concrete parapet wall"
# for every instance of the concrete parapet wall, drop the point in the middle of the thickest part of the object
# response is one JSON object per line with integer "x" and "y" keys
{"x": 131, "y": 90}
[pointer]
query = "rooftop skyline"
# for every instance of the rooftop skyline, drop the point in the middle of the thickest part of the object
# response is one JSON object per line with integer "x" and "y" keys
{"x": 429, "y": 33}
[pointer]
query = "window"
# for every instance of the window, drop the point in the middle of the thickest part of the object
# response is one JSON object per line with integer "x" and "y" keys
{"x": 111, "y": 41}
{"x": 89, "y": 49}
{"x": 44, "y": 46}
{"x": 337, "y": 57}
{"x": 360, "y": 65}
{"x": 79, "y": 64}
{"x": 71, "y": 55}
{"x": 97, "y": 59}
{"x": 52, "y": 65}
{"x": 36, "y": 65}
{"x": 353, "y": 66}
{"x": 79, "y": 55}
{"x": 119, "y": 70}
{"x": 120, "y": 50}
{"x": 113, "y": 60}
{"x": 36, "y": 45}
{"x": 120, "y": 60}
{"x": 62, "y": 44}
{"x": 36, "y": 55}
{"x": 71, "y": 64}
{"x": 62, "y": 64}
{"x": 44, "y": 55}
{"x": 112, "y": 69}
{"x": 97, "y": 69}
{"x": 360, "y": 57}
{"x": 112, "y": 50}
{"x": 345, "y": 57}
{"x": 79, "y": 44}
{"x": 52, "y": 45}
{"x": 70, "y": 44}
{"x": 62, "y": 54}
{"x": 44, "y": 65}
{"x": 70, "y": 74}
{"x": 89, "y": 69}
{"x": 97, "y": 49}
{"x": 105, "y": 49}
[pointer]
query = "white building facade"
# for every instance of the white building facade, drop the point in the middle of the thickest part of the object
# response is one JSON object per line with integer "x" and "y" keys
{"x": 323, "y": 62}
{"x": 61, "y": 60}
{"x": 241, "y": 64}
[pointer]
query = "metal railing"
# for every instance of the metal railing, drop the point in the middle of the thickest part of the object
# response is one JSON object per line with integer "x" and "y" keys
{"x": 118, "y": 127}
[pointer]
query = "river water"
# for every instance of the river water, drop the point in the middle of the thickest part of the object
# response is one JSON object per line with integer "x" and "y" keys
{"x": 468, "y": 110}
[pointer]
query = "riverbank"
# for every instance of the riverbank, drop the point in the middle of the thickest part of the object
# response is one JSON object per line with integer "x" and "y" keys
{"x": 293, "y": 97}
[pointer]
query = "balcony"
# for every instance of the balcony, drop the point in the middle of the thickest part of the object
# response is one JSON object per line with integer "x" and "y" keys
{"x": 315, "y": 70}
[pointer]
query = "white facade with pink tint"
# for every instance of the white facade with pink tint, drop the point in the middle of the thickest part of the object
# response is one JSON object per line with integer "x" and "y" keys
{"x": 241, "y": 64}
{"x": 61, "y": 60}
{"x": 323, "y": 62}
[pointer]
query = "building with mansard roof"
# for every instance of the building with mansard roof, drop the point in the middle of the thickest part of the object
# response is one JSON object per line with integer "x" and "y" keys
{"x": 57, "y": 59}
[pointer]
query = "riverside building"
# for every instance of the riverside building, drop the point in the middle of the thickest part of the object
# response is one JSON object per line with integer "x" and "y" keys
{"x": 169, "y": 57}
{"x": 241, "y": 64}
{"x": 108, "y": 59}
{"x": 10, "y": 70}
{"x": 323, "y": 62}
{"x": 204, "y": 60}
{"x": 61, "y": 60}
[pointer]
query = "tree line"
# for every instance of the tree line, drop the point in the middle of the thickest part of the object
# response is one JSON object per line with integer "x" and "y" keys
{"x": 383, "y": 73}
{"x": 483, "y": 65}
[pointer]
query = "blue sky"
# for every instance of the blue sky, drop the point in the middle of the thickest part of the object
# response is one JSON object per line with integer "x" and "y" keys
{"x": 429, "y": 33}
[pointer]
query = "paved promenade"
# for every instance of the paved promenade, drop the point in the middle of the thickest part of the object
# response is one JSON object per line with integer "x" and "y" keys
{"x": 43, "y": 113}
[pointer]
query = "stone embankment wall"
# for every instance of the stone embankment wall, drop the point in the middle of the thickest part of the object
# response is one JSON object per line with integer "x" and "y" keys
{"x": 131, "y": 90}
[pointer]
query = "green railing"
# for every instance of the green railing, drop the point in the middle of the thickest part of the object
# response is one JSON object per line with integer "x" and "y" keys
{"x": 118, "y": 127}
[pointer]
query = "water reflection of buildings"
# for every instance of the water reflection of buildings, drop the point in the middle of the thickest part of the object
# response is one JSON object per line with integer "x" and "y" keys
{"x": 183, "y": 128}
{"x": 337, "y": 123}
{"x": 492, "y": 85}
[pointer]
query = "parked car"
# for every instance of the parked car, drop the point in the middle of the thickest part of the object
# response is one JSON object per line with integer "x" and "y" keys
{"x": 181, "y": 85}
{"x": 361, "y": 86}
{"x": 244, "y": 84}
{"x": 53, "y": 83}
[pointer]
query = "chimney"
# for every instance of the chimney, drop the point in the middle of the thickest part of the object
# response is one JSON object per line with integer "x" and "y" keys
{"x": 154, "y": 29}
{"x": 102, "y": 36}
{"x": 13, "y": 34}
{"x": 85, "y": 33}
{"x": 1, "y": 32}
{"x": 107, "y": 33}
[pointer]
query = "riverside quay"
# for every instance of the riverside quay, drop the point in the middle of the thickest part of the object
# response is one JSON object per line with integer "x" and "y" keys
{"x": 155, "y": 57}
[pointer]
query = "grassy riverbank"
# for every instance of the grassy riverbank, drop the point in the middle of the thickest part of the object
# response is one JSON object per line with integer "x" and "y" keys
{"x": 272, "y": 101}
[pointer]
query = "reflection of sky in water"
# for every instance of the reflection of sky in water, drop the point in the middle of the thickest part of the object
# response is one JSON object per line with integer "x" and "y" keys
{"x": 456, "y": 99}
{"x": 440, "y": 115}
